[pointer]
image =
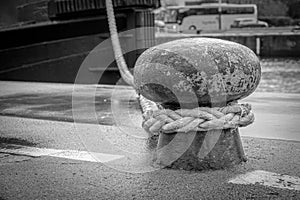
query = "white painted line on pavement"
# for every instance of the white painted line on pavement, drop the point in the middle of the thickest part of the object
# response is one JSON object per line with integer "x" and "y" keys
{"x": 68, "y": 154}
{"x": 268, "y": 179}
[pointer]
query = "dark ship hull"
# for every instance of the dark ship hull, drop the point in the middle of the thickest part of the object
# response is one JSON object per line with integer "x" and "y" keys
{"x": 54, "y": 51}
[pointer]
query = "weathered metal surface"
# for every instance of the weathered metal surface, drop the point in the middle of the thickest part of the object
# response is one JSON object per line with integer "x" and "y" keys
{"x": 214, "y": 70}
{"x": 201, "y": 150}
{"x": 190, "y": 151}
{"x": 191, "y": 72}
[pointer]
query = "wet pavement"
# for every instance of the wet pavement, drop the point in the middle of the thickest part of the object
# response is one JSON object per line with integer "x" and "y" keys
{"x": 42, "y": 116}
{"x": 62, "y": 105}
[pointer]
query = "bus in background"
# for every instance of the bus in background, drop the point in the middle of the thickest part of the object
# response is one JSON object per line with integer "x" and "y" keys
{"x": 207, "y": 16}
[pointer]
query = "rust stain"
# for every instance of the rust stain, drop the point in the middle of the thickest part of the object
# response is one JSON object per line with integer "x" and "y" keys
{"x": 202, "y": 66}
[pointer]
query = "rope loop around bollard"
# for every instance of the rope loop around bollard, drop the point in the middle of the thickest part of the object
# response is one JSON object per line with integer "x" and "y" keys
{"x": 233, "y": 115}
{"x": 157, "y": 119}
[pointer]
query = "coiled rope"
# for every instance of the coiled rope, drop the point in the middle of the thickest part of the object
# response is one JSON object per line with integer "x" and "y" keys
{"x": 198, "y": 119}
{"x": 157, "y": 120}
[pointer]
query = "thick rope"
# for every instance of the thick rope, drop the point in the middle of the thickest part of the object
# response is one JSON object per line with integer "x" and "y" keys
{"x": 198, "y": 119}
{"x": 125, "y": 73}
{"x": 146, "y": 104}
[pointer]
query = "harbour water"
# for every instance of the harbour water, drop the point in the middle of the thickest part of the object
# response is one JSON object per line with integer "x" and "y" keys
{"x": 275, "y": 103}
{"x": 280, "y": 75}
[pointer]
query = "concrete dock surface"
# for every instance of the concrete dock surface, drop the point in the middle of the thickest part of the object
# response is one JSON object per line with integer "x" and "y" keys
{"x": 60, "y": 141}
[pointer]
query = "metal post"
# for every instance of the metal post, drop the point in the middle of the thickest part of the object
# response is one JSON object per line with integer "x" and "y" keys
{"x": 197, "y": 149}
{"x": 220, "y": 14}
{"x": 257, "y": 46}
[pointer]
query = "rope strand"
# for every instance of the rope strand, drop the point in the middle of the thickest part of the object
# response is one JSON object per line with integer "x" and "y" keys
{"x": 125, "y": 73}
{"x": 198, "y": 119}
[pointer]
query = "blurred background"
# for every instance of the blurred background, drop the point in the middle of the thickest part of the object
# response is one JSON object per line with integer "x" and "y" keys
{"x": 47, "y": 40}
{"x": 275, "y": 12}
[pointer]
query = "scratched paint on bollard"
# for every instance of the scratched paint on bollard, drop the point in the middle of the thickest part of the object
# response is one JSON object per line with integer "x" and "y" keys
{"x": 191, "y": 73}
{"x": 197, "y": 66}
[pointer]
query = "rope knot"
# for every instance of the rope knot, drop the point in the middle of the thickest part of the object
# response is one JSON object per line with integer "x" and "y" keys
{"x": 198, "y": 119}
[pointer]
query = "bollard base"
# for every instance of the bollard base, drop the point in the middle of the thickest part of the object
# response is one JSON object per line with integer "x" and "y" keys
{"x": 217, "y": 149}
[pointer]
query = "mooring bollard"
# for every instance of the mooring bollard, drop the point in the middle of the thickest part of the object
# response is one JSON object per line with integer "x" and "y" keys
{"x": 197, "y": 82}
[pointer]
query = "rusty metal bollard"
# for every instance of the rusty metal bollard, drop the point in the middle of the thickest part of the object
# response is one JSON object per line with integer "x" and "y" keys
{"x": 196, "y": 73}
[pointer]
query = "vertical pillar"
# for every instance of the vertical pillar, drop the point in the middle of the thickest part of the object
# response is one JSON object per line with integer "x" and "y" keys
{"x": 200, "y": 155}
{"x": 188, "y": 73}
{"x": 258, "y": 46}
{"x": 215, "y": 149}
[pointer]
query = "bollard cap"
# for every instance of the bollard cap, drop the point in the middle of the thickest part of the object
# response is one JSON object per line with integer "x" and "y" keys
{"x": 197, "y": 70}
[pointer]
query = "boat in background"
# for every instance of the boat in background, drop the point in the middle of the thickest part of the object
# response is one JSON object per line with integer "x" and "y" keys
{"x": 53, "y": 50}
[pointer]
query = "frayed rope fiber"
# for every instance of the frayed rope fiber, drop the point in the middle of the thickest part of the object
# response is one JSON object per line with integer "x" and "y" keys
{"x": 198, "y": 119}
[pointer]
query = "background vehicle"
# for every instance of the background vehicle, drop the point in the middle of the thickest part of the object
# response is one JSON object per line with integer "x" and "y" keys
{"x": 248, "y": 22}
{"x": 207, "y": 16}
{"x": 159, "y": 25}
